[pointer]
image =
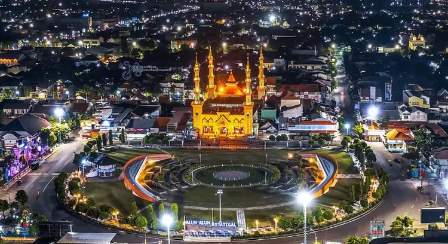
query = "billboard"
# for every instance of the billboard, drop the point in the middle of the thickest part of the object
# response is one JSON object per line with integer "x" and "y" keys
{"x": 377, "y": 229}
{"x": 388, "y": 91}
{"x": 432, "y": 215}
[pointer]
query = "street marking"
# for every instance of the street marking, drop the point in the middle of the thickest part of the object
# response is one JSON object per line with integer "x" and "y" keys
{"x": 43, "y": 174}
{"x": 30, "y": 183}
{"x": 48, "y": 183}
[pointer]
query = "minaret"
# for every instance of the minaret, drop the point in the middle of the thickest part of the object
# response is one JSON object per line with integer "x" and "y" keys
{"x": 248, "y": 89}
{"x": 211, "y": 77}
{"x": 261, "y": 88}
{"x": 197, "y": 81}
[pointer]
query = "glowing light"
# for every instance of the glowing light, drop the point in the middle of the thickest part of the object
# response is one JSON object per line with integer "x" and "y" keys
{"x": 373, "y": 112}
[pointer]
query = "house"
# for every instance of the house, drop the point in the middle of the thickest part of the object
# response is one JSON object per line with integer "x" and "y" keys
{"x": 412, "y": 113}
{"x": 396, "y": 141}
{"x": 147, "y": 111}
{"x": 78, "y": 107}
{"x": 11, "y": 59}
{"x": 312, "y": 63}
{"x": 310, "y": 127}
{"x": 182, "y": 117}
{"x": 268, "y": 127}
{"x": 25, "y": 126}
{"x": 304, "y": 91}
{"x": 176, "y": 44}
{"x": 292, "y": 112}
{"x": 88, "y": 60}
{"x": 416, "y": 98}
{"x": 92, "y": 42}
{"x": 137, "y": 129}
{"x": 105, "y": 166}
{"x": 370, "y": 94}
{"x": 440, "y": 157}
{"x": 15, "y": 109}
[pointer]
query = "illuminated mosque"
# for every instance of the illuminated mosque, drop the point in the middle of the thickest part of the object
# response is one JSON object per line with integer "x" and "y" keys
{"x": 227, "y": 112}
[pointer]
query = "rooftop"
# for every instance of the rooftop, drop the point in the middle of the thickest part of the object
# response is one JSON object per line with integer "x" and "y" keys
{"x": 87, "y": 238}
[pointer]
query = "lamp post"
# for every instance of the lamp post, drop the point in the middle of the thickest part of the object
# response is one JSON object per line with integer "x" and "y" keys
{"x": 347, "y": 126}
{"x": 275, "y": 223}
{"x": 59, "y": 112}
{"x": 167, "y": 220}
{"x": 315, "y": 235}
{"x": 256, "y": 224}
{"x": 304, "y": 198}
{"x": 219, "y": 193}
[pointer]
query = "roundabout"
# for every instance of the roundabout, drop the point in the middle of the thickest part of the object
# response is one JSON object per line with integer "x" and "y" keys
{"x": 166, "y": 178}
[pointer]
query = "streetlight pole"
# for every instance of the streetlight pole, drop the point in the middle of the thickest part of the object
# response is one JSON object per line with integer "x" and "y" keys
{"x": 167, "y": 220}
{"x": 304, "y": 198}
{"x": 346, "y": 126}
{"x": 219, "y": 193}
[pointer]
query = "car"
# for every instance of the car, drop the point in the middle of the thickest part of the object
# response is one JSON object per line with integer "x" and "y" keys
{"x": 34, "y": 165}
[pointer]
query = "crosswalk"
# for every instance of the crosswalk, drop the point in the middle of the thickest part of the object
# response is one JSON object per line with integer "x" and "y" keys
{"x": 43, "y": 174}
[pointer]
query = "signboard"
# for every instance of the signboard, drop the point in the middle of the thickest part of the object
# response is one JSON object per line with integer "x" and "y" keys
{"x": 208, "y": 223}
{"x": 388, "y": 92}
{"x": 372, "y": 93}
{"x": 432, "y": 215}
{"x": 377, "y": 229}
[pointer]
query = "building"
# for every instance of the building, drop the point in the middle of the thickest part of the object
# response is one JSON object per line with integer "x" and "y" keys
{"x": 228, "y": 111}
{"x": 416, "y": 41}
{"x": 176, "y": 44}
{"x": 412, "y": 113}
{"x": 396, "y": 141}
{"x": 25, "y": 127}
{"x": 11, "y": 59}
{"x": 440, "y": 157}
{"x": 416, "y": 98}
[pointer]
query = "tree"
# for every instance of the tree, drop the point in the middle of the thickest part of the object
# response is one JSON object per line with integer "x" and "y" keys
{"x": 328, "y": 215}
{"x": 110, "y": 137}
{"x": 99, "y": 143}
{"x": 104, "y": 215}
{"x": 161, "y": 210}
{"x": 360, "y": 190}
{"x": 272, "y": 138}
{"x": 358, "y": 129}
{"x": 317, "y": 214}
{"x": 357, "y": 240}
{"x": 134, "y": 209}
{"x": 364, "y": 203}
{"x": 122, "y": 136}
{"x": 367, "y": 185}
{"x": 153, "y": 140}
{"x": 352, "y": 194}
{"x": 175, "y": 211}
{"x": 151, "y": 215}
{"x": 397, "y": 227}
{"x": 90, "y": 201}
{"x": 141, "y": 222}
{"x": 321, "y": 141}
{"x": 311, "y": 142}
{"x": 145, "y": 140}
{"x": 104, "y": 139}
{"x": 371, "y": 158}
{"x": 21, "y": 197}
{"x": 4, "y": 205}
{"x": 343, "y": 204}
{"x": 349, "y": 209}
{"x": 344, "y": 144}
{"x": 284, "y": 222}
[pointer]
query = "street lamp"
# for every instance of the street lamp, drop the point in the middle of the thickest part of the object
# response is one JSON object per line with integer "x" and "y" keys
{"x": 167, "y": 220}
{"x": 59, "y": 112}
{"x": 304, "y": 198}
{"x": 219, "y": 193}
{"x": 275, "y": 223}
{"x": 333, "y": 46}
{"x": 373, "y": 112}
{"x": 347, "y": 126}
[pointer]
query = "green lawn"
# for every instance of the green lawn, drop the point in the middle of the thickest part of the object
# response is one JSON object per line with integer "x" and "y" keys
{"x": 345, "y": 164}
{"x": 122, "y": 155}
{"x": 338, "y": 193}
{"x": 113, "y": 194}
{"x": 232, "y": 197}
{"x": 265, "y": 217}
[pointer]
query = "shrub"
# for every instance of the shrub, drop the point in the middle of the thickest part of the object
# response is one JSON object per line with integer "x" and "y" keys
{"x": 71, "y": 203}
